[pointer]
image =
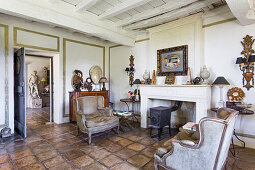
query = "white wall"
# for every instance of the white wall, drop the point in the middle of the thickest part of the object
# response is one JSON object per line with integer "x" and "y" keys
{"x": 119, "y": 83}
{"x": 2, "y": 79}
{"x": 222, "y": 47}
{"x": 186, "y": 31}
{"x": 74, "y": 51}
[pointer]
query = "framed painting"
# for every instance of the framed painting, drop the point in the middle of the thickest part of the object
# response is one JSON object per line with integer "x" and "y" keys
{"x": 170, "y": 80}
{"x": 173, "y": 61}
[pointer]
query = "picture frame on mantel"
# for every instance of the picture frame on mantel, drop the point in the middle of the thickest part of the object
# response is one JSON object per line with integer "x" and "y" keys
{"x": 170, "y": 79}
{"x": 172, "y": 61}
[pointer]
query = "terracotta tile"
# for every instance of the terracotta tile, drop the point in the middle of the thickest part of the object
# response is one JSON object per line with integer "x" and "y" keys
{"x": 147, "y": 141}
{"x": 113, "y": 147}
{"x": 33, "y": 139}
{"x": 42, "y": 148}
{"x": 25, "y": 161}
{"x": 13, "y": 149}
{"x": 4, "y": 159}
{"x": 37, "y": 143}
{"x": 67, "y": 136}
{"x": 125, "y": 153}
{"x": 110, "y": 161}
{"x": 73, "y": 140}
{"x": 55, "y": 140}
{"x": 95, "y": 166}
{"x": 83, "y": 161}
{"x": 61, "y": 144}
{"x": 62, "y": 166}
{"x": 89, "y": 148}
{"x": 72, "y": 154}
{"x": 124, "y": 166}
{"x": 149, "y": 166}
{"x": 139, "y": 160}
{"x": 149, "y": 152}
{"x": 37, "y": 166}
{"x": 21, "y": 154}
{"x": 104, "y": 143}
{"x": 136, "y": 147}
{"x": 16, "y": 143}
{"x": 53, "y": 161}
{"x": 50, "y": 135}
{"x": 115, "y": 138}
{"x": 135, "y": 138}
{"x": 125, "y": 142}
{"x": 46, "y": 155}
{"x": 99, "y": 154}
{"x": 6, "y": 166}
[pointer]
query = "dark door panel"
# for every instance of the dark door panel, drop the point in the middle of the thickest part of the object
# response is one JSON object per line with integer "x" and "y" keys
{"x": 19, "y": 92}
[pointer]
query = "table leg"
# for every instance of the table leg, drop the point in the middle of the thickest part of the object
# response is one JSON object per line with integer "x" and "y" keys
{"x": 239, "y": 139}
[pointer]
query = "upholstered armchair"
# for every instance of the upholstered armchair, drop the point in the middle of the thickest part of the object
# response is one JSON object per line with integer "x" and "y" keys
{"x": 205, "y": 149}
{"x": 92, "y": 117}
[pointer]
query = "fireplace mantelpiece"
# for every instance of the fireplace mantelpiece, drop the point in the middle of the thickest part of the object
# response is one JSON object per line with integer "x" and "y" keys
{"x": 199, "y": 94}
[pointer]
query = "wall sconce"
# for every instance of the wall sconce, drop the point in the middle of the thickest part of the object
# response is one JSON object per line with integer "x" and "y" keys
{"x": 246, "y": 63}
{"x": 130, "y": 70}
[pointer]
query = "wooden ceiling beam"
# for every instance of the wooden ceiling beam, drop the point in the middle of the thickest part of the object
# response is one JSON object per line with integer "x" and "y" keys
{"x": 123, "y": 7}
{"x": 240, "y": 10}
{"x": 170, "y": 16}
{"x": 172, "y": 5}
{"x": 85, "y": 5}
{"x": 64, "y": 16}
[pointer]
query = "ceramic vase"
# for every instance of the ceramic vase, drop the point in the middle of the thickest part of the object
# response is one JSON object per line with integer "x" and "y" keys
{"x": 205, "y": 74}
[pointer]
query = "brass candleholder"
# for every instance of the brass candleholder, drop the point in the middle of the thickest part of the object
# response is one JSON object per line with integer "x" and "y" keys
{"x": 246, "y": 63}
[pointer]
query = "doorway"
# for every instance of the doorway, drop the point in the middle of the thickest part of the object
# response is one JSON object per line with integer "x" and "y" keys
{"x": 33, "y": 91}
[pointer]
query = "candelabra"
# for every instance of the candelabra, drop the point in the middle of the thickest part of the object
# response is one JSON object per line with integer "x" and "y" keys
{"x": 130, "y": 70}
{"x": 246, "y": 63}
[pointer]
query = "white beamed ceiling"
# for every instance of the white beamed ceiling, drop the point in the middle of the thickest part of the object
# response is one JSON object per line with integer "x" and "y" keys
{"x": 118, "y": 21}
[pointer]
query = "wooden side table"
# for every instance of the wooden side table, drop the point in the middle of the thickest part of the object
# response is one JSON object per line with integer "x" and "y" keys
{"x": 241, "y": 112}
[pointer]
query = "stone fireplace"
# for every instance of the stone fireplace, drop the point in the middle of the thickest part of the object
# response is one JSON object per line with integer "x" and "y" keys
{"x": 196, "y": 100}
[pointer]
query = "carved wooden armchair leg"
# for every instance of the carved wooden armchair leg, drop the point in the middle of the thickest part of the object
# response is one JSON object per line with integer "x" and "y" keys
{"x": 77, "y": 131}
{"x": 155, "y": 166}
{"x": 90, "y": 138}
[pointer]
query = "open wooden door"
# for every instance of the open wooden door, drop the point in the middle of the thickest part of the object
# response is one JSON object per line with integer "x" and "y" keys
{"x": 20, "y": 92}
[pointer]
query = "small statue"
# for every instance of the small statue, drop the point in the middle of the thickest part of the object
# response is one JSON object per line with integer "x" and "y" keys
{"x": 189, "y": 81}
{"x": 88, "y": 84}
{"x": 77, "y": 80}
{"x": 146, "y": 77}
{"x": 153, "y": 82}
{"x": 33, "y": 85}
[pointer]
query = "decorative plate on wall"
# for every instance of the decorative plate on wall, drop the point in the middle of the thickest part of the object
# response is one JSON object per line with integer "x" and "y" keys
{"x": 95, "y": 74}
{"x": 235, "y": 94}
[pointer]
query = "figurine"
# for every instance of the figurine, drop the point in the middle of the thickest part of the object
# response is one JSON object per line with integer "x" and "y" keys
{"x": 77, "y": 80}
{"x": 189, "y": 81}
{"x": 153, "y": 82}
{"x": 88, "y": 84}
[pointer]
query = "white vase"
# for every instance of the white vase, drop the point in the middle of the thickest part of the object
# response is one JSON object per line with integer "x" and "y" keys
{"x": 205, "y": 74}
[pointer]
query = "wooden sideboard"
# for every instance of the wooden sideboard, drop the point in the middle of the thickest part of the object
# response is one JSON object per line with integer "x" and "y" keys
{"x": 74, "y": 95}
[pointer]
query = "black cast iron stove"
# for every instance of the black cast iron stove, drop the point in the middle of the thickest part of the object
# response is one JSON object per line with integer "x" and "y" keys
{"x": 160, "y": 117}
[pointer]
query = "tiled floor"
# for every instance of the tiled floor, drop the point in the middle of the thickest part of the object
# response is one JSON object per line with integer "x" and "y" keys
{"x": 56, "y": 147}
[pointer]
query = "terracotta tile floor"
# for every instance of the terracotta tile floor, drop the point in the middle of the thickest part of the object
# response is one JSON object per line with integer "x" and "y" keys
{"x": 52, "y": 146}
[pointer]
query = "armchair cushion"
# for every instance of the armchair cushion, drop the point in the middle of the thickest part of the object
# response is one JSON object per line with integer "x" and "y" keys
{"x": 92, "y": 115}
{"x": 185, "y": 136}
{"x": 101, "y": 121}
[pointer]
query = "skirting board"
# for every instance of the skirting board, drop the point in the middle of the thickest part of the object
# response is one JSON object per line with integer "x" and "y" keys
{"x": 248, "y": 139}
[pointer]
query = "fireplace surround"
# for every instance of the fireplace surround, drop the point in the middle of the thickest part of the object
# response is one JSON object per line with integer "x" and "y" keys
{"x": 199, "y": 94}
